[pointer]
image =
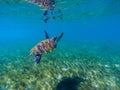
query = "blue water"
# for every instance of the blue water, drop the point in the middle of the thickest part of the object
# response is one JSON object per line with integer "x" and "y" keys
{"x": 89, "y": 48}
{"x": 93, "y": 29}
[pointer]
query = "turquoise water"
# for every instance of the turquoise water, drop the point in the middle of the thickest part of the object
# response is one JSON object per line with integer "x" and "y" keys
{"x": 86, "y": 58}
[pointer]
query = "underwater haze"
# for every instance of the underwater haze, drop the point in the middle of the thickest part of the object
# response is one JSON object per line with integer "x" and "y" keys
{"x": 86, "y": 58}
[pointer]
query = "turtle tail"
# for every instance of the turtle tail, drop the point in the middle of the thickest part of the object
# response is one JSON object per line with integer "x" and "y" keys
{"x": 59, "y": 37}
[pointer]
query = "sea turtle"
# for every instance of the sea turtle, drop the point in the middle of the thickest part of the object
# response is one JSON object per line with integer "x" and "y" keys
{"x": 45, "y": 46}
{"x": 48, "y": 6}
{"x": 45, "y": 4}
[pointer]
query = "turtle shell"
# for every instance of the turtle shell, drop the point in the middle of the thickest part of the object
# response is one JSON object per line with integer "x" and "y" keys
{"x": 46, "y": 4}
{"x": 43, "y": 47}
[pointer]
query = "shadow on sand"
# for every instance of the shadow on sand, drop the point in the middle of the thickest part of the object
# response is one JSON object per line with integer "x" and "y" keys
{"x": 69, "y": 83}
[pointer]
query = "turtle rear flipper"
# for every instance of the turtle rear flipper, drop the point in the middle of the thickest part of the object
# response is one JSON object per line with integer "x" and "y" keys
{"x": 59, "y": 37}
{"x": 37, "y": 58}
{"x": 46, "y": 34}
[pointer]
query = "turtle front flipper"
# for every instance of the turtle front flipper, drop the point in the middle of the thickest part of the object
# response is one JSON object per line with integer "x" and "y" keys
{"x": 46, "y": 34}
{"x": 59, "y": 37}
{"x": 37, "y": 59}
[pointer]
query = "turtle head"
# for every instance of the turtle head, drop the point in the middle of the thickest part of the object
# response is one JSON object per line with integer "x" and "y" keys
{"x": 54, "y": 38}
